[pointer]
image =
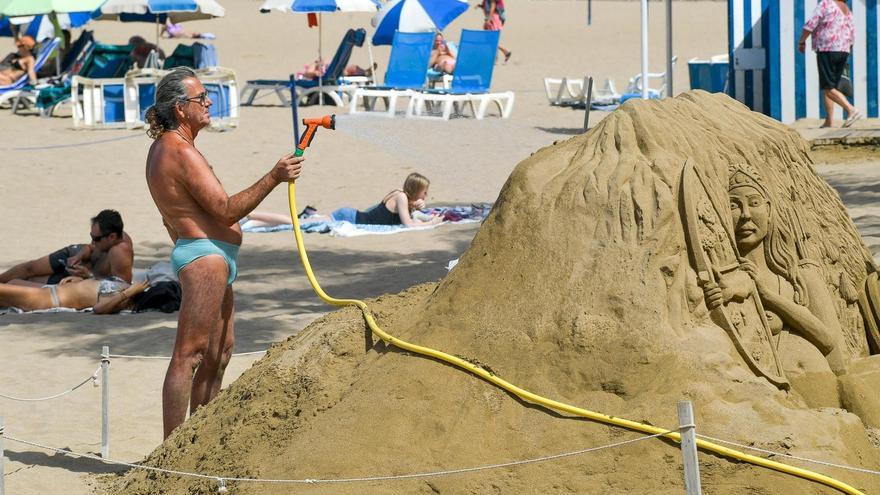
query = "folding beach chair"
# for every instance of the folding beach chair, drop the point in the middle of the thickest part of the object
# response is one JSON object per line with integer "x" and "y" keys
{"x": 635, "y": 83}
{"x": 97, "y": 93}
{"x": 471, "y": 81}
{"x": 407, "y": 70}
{"x": 572, "y": 92}
{"x": 41, "y": 58}
{"x": 333, "y": 85}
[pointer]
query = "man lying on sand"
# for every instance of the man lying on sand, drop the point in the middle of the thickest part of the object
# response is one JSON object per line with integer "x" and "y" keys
{"x": 202, "y": 221}
{"x": 109, "y": 256}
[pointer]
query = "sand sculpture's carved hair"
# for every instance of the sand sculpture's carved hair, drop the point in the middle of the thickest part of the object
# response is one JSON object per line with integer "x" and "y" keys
{"x": 779, "y": 245}
{"x": 170, "y": 91}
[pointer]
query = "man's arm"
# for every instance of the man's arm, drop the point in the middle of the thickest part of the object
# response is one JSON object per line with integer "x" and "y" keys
{"x": 204, "y": 187}
{"x": 121, "y": 260}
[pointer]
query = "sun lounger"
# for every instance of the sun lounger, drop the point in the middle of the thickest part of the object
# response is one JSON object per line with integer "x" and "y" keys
{"x": 333, "y": 85}
{"x": 407, "y": 70}
{"x": 471, "y": 81}
{"x": 573, "y": 92}
{"x": 10, "y": 91}
{"x": 635, "y": 83}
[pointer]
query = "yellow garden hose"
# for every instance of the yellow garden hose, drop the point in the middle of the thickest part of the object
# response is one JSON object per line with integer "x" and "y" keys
{"x": 537, "y": 399}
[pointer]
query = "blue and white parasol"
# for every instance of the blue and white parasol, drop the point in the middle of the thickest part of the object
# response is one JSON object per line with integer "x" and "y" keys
{"x": 317, "y": 6}
{"x": 40, "y": 26}
{"x": 150, "y": 10}
{"x": 160, "y": 11}
{"x": 414, "y": 16}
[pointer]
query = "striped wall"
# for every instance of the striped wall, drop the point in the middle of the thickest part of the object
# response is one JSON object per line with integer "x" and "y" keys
{"x": 787, "y": 88}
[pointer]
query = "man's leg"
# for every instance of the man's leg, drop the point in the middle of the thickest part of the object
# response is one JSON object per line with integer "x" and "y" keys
{"x": 203, "y": 283}
{"x": 37, "y": 270}
{"x": 209, "y": 377}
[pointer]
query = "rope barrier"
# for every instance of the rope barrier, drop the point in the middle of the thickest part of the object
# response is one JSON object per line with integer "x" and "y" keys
{"x": 221, "y": 480}
{"x": 93, "y": 379}
{"x": 127, "y": 356}
{"x": 790, "y": 456}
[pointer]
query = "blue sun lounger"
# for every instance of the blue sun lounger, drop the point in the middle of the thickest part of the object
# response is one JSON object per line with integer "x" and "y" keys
{"x": 407, "y": 72}
{"x": 471, "y": 81}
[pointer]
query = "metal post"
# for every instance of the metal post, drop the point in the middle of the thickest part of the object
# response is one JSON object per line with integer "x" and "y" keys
{"x": 669, "y": 76}
{"x": 644, "y": 49}
{"x": 294, "y": 103}
{"x": 105, "y": 402}
{"x": 589, "y": 12}
{"x": 320, "y": 61}
{"x": 2, "y": 455}
{"x": 687, "y": 429}
{"x": 589, "y": 102}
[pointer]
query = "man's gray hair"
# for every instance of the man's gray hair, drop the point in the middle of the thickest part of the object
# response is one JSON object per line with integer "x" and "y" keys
{"x": 170, "y": 91}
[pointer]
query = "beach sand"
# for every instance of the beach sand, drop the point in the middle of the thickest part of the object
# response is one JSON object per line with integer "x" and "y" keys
{"x": 54, "y": 179}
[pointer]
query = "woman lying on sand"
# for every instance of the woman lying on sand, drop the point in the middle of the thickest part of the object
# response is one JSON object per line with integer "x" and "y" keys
{"x": 396, "y": 207}
{"x": 106, "y": 296}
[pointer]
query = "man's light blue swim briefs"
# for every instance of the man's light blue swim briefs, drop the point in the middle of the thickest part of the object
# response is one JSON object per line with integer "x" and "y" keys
{"x": 188, "y": 250}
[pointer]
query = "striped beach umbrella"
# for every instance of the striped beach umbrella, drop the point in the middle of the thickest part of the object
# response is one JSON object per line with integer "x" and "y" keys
{"x": 319, "y": 7}
{"x": 40, "y": 26}
{"x": 18, "y": 8}
{"x": 160, "y": 11}
{"x": 414, "y": 16}
{"x": 151, "y": 10}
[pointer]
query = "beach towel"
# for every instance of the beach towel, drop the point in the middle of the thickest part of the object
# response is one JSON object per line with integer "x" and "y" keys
{"x": 451, "y": 214}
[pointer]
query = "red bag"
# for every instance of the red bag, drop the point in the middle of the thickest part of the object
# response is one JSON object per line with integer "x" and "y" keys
{"x": 493, "y": 23}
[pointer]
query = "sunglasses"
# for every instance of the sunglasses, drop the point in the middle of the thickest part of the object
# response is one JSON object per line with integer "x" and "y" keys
{"x": 97, "y": 238}
{"x": 200, "y": 98}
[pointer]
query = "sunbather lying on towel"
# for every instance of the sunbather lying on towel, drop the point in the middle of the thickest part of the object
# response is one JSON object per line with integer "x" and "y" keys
{"x": 396, "y": 207}
{"x": 105, "y": 296}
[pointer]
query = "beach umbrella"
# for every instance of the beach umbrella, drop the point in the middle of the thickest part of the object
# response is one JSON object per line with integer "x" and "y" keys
{"x": 319, "y": 7}
{"x": 18, "y": 8}
{"x": 414, "y": 16}
{"x": 40, "y": 27}
{"x": 159, "y": 11}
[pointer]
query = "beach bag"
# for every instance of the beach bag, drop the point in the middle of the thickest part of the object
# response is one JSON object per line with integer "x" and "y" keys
{"x": 163, "y": 296}
{"x": 845, "y": 85}
{"x": 493, "y": 23}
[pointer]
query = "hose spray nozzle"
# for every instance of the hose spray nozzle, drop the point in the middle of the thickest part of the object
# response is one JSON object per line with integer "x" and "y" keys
{"x": 327, "y": 122}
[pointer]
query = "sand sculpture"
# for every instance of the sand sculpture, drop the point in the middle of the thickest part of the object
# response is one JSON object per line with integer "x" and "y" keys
{"x": 681, "y": 249}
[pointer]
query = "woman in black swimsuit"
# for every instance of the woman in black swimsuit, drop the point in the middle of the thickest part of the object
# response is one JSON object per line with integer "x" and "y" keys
{"x": 22, "y": 63}
{"x": 395, "y": 208}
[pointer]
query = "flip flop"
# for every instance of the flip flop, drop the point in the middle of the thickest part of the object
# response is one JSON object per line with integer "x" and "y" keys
{"x": 507, "y": 57}
{"x": 852, "y": 118}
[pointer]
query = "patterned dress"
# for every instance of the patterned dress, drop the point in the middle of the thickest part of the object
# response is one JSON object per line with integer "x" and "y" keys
{"x": 833, "y": 31}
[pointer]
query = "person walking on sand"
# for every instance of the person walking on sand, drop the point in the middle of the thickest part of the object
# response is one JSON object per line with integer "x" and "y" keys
{"x": 833, "y": 31}
{"x": 202, "y": 221}
{"x": 494, "y": 19}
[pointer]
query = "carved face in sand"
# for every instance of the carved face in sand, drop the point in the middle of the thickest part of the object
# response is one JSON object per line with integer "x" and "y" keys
{"x": 750, "y": 212}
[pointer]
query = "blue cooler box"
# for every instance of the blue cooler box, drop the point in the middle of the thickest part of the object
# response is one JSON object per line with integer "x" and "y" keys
{"x": 709, "y": 75}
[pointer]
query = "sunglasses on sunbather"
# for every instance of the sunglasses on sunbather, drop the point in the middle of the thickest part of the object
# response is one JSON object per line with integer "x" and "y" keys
{"x": 200, "y": 98}
{"x": 97, "y": 238}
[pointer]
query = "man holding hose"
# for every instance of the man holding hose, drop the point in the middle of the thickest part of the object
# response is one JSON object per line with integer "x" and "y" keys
{"x": 202, "y": 221}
